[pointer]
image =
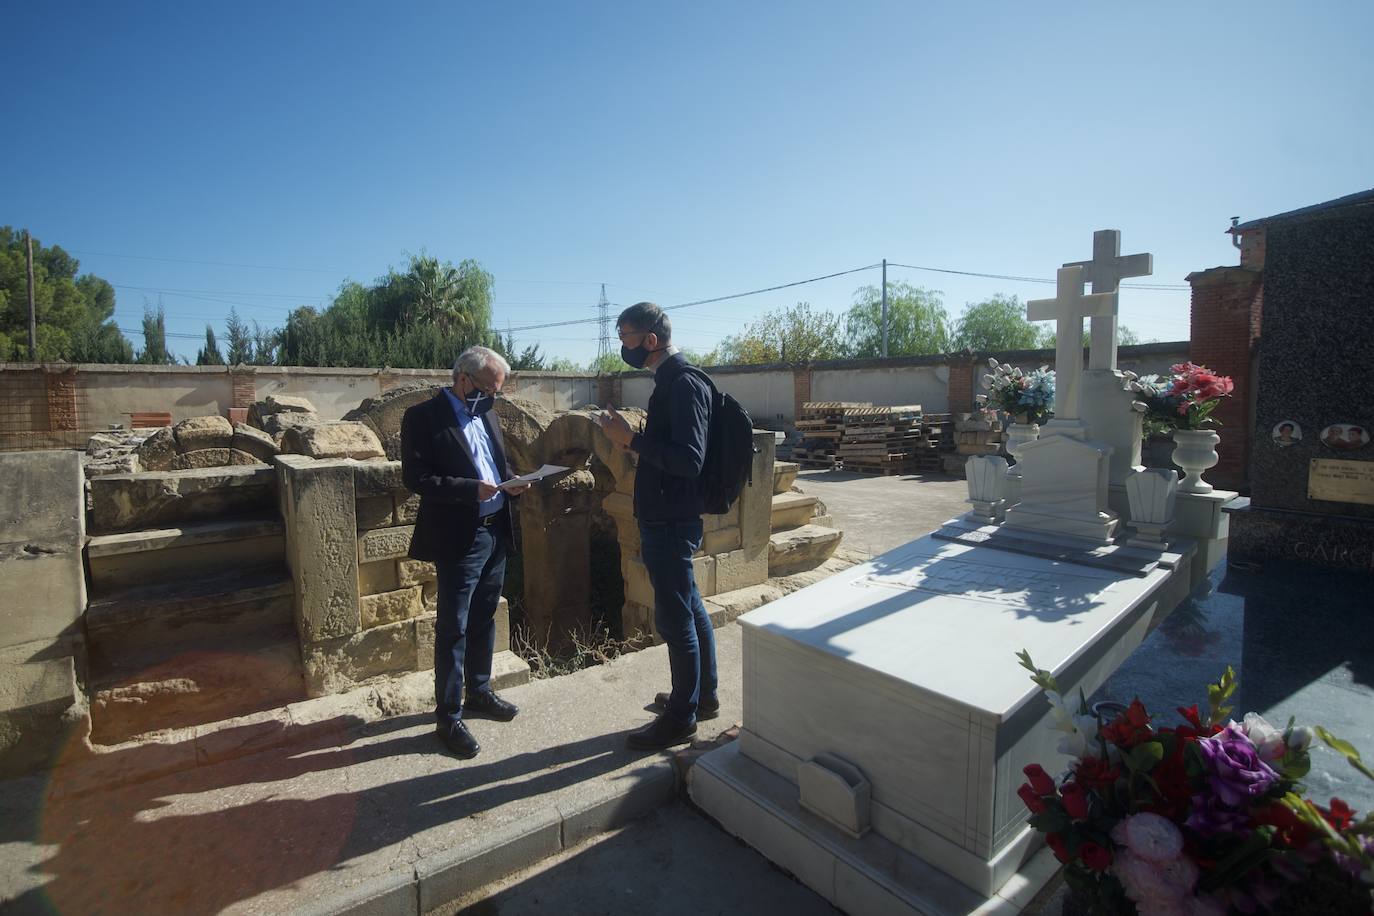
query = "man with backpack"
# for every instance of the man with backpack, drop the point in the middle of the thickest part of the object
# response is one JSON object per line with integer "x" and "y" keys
{"x": 669, "y": 499}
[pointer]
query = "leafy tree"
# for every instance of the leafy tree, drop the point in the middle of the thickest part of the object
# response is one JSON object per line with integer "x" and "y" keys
{"x": 435, "y": 292}
{"x": 265, "y": 345}
{"x": 699, "y": 358}
{"x": 563, "y": 364}
{"x": 209, "y": 355}
{"x": 1125, "y": 337}
{"x": 792, "y": 335}
{"x": 240, "y": 340}
{"x": 154, "y": 352}
{"x": 73, "y": 314}
{"x": 996, "y": 324}
{"x": 607, "y": 364}
{"x": 917, "y": 322}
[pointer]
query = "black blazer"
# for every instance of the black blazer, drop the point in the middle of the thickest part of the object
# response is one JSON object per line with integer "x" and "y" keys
{"x": 437, "y": 465}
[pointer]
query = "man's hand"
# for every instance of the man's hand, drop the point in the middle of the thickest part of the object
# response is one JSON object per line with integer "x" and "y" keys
{"x": 485, "y": 491}
{"x": 616, "y": 428}
{"x": 517, "y": 489}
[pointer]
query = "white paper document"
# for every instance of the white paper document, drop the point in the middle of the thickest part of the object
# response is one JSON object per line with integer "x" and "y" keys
{"x": 547, "y": 470}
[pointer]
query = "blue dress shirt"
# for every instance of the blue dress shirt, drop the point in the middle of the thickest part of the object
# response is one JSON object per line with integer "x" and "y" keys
{"x": 479, "y": 442}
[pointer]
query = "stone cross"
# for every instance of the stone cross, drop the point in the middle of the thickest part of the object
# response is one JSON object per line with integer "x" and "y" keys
{"x": 1105, "y": 272}
{"x": 1068, "y": 309}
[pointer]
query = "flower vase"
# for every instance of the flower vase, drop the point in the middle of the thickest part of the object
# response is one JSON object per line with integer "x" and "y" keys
{"x": 1195, "y": 450}
{"x": 1019, "y": 432}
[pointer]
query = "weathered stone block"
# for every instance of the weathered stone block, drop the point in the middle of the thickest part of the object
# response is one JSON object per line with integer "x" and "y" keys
{"x": 158, "y": 450}
{"x": 275, "y": 404}
{"x": 337, "y": 665}
{"x": 721, "y": 540}
{"x": 389, "y": 607}
{"x": 375, "y": 578}
{"x": 377, "y": 478}
{"x": 321, "y": 547}
{"x": 42, "y": 529}
{"x": 430, "y": 594}
{"x": 201, "y": 458}
{"x": 198, "y": 433}
{"x": 740, "y": 568}
{"x": 407, "y": 508}
{"x": 124, "y": 502}
{"x": 704, "y": 572}
{"x": 382, "y": 414}
{"x": 237, "y": 457}
{"x": 756, "y": 502}
{"x": 638, "y": 588}
{"x": 374, "y": 512}
{"x": 255, "y": 442}
{"x": 384, "y": 543}
{"x": 333, "y": 440}
{"x": 424, "y": 641}
{"x": 414, "y": 572}
{"x": 801, "y": 549}
{"x": 33, "y": 675}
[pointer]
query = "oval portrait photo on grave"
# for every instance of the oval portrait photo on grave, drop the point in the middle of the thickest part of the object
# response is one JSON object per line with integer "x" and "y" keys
{"x": 1345, "y": 437}
{"x": 1286, "y": 433}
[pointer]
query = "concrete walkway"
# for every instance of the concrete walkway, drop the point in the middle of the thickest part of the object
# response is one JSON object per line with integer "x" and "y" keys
{"x": 362, "y": 819}
{"x": 878, "y": 514}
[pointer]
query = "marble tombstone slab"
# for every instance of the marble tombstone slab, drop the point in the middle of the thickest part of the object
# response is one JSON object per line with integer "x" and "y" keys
{"x": 904, "y": 669}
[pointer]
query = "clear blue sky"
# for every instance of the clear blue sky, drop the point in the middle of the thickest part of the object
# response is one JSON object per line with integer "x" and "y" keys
{"x": 672, "y": 151}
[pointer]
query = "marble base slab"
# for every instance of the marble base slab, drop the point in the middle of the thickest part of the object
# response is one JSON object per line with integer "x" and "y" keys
{"x": 905, "y": 668}
{"x": 1136, "y": 559}
{"x": 863, "y": 876}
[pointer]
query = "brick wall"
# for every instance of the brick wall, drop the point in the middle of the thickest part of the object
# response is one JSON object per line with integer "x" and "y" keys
{"x": 245, "y": 388}
{"x": 801, "y": 389}
{"x": 608, "y": 390}
{"x": 1225, "y": 326}
{"x": 62, "y": 408}
{"x": 960, "y": 386}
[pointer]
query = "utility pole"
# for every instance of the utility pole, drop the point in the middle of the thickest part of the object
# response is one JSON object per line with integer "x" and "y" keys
{"x": 33, "y": 316}
{"x": 884, "y": 308}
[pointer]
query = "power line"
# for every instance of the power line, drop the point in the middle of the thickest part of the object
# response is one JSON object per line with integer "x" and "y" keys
{"x": 603, "y": 317}
{"x": 683, "y": 305}
{"x": 974, "y": 273}
{"x": 144, "y": 257}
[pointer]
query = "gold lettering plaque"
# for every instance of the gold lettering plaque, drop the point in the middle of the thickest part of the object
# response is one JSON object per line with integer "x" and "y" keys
{"x": 1341, "y": 481}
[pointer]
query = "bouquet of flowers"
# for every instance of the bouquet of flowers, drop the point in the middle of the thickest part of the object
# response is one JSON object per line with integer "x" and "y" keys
{"x": 1183, "y": 400}
{"x": 1204, "y": 818}
{"x": 1027, "y": 394}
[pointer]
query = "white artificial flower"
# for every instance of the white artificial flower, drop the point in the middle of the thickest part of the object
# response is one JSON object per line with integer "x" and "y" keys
{"x": 1139, "y": 406}
{"x": 1267, "y": 739}
{"x": 1299, "y": 738}
{"x": 992, "y": 361}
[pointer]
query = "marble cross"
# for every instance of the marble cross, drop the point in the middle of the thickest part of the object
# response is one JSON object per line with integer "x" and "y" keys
{"x": 1068, "y": 309}
{"x": 1105, "y": 272}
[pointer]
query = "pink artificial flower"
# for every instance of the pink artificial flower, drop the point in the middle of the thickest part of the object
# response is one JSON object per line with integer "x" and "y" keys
{"x": 1151, "y": 836}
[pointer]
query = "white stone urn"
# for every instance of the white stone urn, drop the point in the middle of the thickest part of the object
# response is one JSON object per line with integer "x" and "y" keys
{"x": 1018, "y": 434}
{"x": 987, "y": 479}
{"x": 1195, "y": 450}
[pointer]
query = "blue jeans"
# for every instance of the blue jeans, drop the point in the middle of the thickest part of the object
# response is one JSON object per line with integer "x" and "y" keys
{"x": 465, "y": 622}
{"x": 681, "y": 618}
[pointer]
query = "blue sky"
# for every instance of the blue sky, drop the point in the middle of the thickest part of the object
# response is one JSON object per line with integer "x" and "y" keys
{"x": 673, "y": 152}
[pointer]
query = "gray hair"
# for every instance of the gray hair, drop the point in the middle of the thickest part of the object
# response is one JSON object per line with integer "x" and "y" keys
{"x": 474, "y": 359}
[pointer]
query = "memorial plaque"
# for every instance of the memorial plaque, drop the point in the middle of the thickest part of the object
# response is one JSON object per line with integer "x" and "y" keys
{"x": 1340, "y": 481}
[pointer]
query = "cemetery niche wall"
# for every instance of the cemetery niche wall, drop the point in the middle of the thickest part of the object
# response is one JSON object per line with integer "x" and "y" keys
{"x": 1312, "y": 484}
{"x": 886, "y": 721}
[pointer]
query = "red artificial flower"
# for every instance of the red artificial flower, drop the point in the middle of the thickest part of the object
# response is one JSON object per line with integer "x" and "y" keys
{"x": 1034, "y": 802}
{"x": 1094, "y": 856}
{"x": 1130, "y": 728}
{"x": 1061, "y": 849}
{"x": 1173, "y": 790}
{"x": 1339, "y": 815}
{"x": 1095, "y": 773}
{"x": 1191, "y": 716}
{"x": 1075, "y": 801}
{"x": 1290, "y": 830}
{"x": 1040, "y": 781}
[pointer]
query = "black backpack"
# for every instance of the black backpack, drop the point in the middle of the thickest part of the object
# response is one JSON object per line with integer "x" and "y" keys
{"x": 729, "y": 465}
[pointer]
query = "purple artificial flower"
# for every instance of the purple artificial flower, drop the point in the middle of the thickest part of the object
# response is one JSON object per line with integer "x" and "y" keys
{"x": 1234, "y": 768}
{"x": 1210, "y": 816}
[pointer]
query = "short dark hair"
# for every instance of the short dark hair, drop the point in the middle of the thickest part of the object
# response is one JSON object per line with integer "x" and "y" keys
{"x": 649, "y": 318}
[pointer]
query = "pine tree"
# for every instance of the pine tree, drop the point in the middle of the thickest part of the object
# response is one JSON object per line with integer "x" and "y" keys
{"x": 209, "y": 354}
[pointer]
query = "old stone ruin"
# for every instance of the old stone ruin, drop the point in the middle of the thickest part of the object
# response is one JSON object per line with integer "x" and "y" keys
{"x": 196, "y": 581}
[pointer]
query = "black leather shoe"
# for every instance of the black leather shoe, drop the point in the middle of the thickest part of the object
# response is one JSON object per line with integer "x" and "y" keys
{"x": 458, "y": 740}
{"x": 705, "y": 709}
{"x": 660, "y": 733}
{"x": 487, "y": 703}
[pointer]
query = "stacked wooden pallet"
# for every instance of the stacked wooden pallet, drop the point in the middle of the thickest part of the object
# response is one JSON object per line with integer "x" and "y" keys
{"x": 871, "y": 439}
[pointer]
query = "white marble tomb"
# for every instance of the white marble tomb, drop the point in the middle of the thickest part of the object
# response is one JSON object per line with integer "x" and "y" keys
{"x": 904, "y": 668}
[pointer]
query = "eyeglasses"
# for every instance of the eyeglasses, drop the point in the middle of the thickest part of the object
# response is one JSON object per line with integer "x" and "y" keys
{"x": 491, "y": 394}
{"x": 624, "y": 334}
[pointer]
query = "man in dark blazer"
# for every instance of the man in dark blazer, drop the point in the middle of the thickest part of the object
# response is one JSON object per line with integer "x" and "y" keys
{"x": 453, "y": 457}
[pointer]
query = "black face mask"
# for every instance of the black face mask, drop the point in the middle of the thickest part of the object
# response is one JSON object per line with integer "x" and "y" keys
{"x": 478, "y": 403}
{"x": 635, "y": 356}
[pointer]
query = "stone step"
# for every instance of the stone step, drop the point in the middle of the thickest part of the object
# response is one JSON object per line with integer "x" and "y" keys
{"x": 209, "y": 608}
{"x": 791, "y": 510}
{"x": 801, "y": 549}
{"x": 194, "y": 685}
{"x": 784, "y": 475}
{"x": 129, "y": 502}
{"x": 188, "y": 551}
